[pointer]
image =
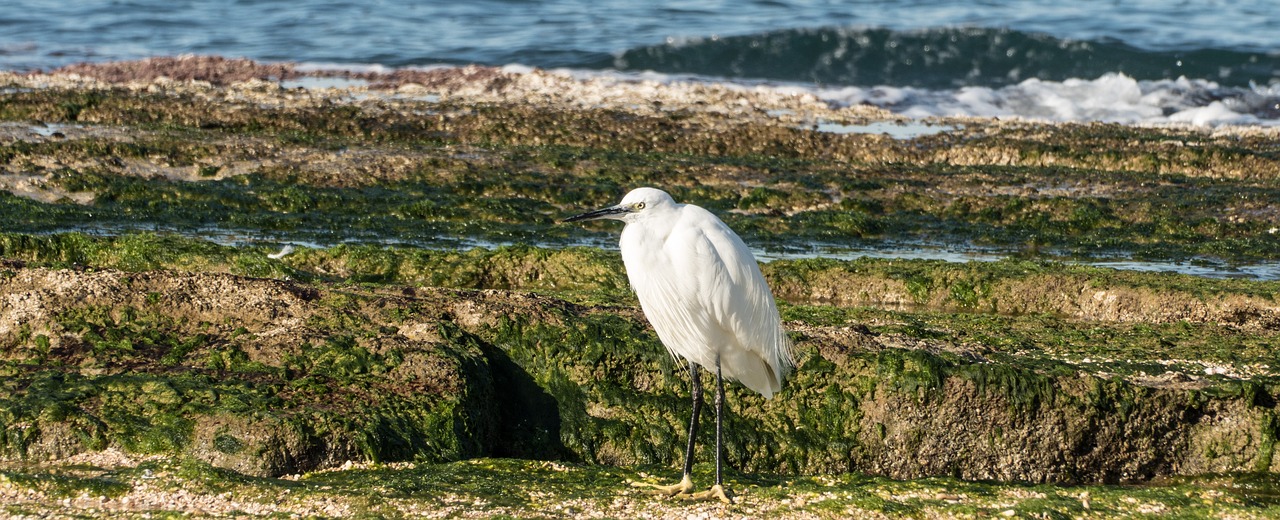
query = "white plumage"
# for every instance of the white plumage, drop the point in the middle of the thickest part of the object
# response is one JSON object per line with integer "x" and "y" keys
{"x": 703, "y": 292}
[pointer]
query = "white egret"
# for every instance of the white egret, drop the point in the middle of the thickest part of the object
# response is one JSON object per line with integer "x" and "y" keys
{"x": 702, "y": 290}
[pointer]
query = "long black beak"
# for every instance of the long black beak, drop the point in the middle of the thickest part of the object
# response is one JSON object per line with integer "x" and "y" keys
{"x": 598, "y": 214}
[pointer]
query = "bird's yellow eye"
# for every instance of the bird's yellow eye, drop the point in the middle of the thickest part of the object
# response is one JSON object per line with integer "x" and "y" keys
{"x": 638, "y": 205}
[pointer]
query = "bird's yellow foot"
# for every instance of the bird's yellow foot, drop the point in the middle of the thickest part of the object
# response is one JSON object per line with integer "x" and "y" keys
{"x": 716, "y": 492}
{"x": 685, "y": 487}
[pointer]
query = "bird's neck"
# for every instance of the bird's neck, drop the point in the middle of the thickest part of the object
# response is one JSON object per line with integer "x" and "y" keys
{"x": 649, "y": 233}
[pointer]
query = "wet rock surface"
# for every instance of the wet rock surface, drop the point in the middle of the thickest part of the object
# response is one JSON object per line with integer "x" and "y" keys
{"x": 268, "y": 378}
{"x": 127, "y": 335}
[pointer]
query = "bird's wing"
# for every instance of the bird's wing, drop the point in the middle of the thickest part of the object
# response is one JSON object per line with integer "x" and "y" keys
{"x": 670, "y": 278}
{"x": 729, "y": 307}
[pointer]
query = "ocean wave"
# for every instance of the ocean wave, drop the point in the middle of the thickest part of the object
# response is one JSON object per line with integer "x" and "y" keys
{"x": 937, "y": 58}
{"x": 1112, "y": 97}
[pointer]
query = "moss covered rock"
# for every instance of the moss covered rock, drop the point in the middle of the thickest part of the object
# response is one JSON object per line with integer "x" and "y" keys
{"x": 269, "y": 377}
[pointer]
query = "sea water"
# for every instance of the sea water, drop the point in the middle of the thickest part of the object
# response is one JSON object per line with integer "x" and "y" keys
{"x": 1138, "y": 61}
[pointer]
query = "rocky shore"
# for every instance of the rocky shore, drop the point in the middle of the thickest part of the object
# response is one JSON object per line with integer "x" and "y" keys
{"x": 161, "y": 352}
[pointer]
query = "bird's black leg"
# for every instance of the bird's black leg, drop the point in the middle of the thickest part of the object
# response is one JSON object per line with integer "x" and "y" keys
{"x": 719, "y": 421}
{"x": 686, "y": 483}
{"x": 695, "y": 385}
{"x": 685, "y": 487}
{"x": 717, "y": 491}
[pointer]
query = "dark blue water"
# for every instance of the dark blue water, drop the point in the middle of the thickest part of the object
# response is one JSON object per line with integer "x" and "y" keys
{"x": 1225, "y": 51}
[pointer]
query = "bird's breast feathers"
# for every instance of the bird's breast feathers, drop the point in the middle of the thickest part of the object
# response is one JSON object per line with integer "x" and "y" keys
{"x": 691, "y": 281}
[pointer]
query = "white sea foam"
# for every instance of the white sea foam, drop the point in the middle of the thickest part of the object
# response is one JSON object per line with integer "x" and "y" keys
{"x": 1112, "y": 98}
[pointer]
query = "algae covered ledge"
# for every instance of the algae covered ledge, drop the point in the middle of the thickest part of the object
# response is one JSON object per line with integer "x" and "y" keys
{"x": 223, "y": 294}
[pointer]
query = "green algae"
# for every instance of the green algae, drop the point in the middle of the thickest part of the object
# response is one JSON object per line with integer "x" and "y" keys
{"x": 588, "y": 272}
{"x": 1059, "y": 346}
{"x": 1023, "y": 331}
{"x": 827, "y": 401}
{"x": 972, "y": 285}
{"x": 418, "y": 188}
{"x": 591, "y": 385}
{"x": 140, "y": 381}
{"x": 421, "y": 212}
{"x": 532, "y": 489}
{"x": 140, "y": 252}
{"x": 1028, "y": 321}
{"x": 55, "y": 485}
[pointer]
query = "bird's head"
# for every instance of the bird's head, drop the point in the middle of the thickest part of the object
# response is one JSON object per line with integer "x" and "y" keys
{"x": 640, "y": 202}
